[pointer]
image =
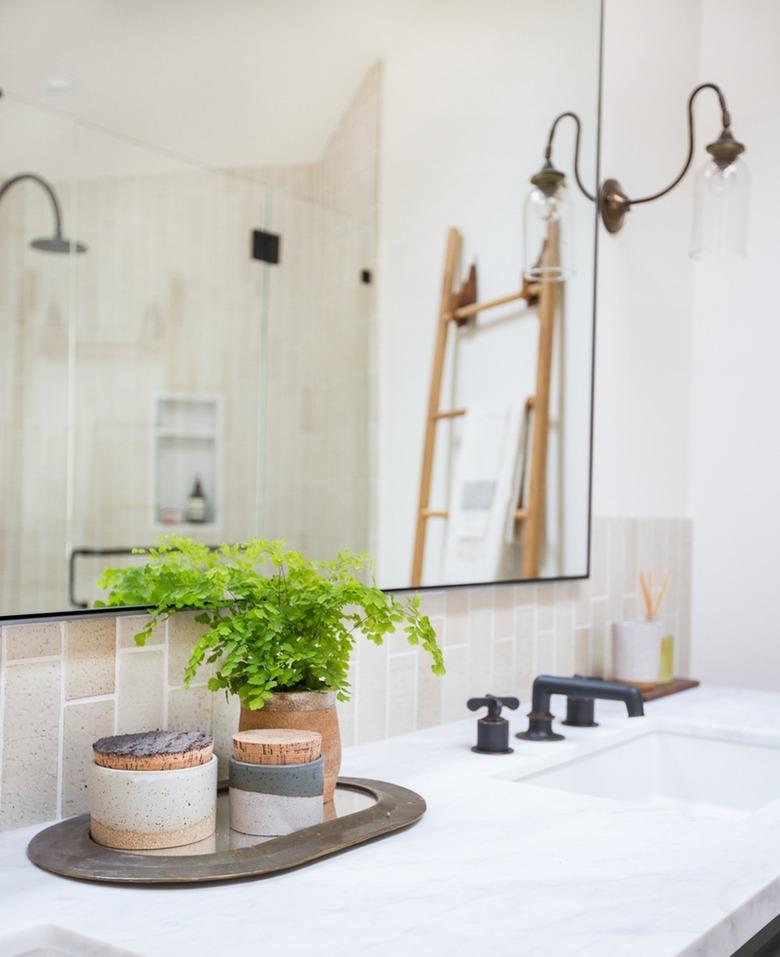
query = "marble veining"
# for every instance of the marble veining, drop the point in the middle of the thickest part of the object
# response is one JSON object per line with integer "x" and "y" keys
{"x": 521, "y": 871}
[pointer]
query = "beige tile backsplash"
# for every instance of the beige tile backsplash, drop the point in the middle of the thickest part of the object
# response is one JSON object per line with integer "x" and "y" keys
{"x": 83, "y": 722}
{"x": 32, "y": 716}
{"x": 38, "y": 640}
{"x": 63, "y": 684}
{"x": 90, "y": 650}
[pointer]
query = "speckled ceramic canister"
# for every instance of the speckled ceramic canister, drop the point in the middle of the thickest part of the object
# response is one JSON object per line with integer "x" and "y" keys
{"x": 303, "y": 710}
{"x": 270, "y": 800}
{"x": 140, "y": 810}
{"x": 636, "y": 652}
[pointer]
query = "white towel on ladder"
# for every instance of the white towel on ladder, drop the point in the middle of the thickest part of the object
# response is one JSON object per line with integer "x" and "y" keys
{"x": 483, "y": 488}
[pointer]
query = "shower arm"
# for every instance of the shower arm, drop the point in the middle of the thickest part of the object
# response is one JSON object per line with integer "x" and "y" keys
{"x": 46, "y": 187}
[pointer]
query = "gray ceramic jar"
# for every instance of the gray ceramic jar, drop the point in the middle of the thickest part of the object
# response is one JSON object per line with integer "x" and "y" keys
{"x": 270, "y": 800}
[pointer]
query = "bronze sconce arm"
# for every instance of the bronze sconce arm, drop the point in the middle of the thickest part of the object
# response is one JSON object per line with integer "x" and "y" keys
{"x": 613, "y": 202}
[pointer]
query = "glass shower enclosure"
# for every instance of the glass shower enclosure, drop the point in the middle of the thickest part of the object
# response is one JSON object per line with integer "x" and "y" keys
{"x": 161, "y": 379}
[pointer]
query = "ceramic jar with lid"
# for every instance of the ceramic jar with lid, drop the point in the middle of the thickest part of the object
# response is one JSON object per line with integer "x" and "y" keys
{"x": 153, "y": 790}
{"x": 269, "y": 795}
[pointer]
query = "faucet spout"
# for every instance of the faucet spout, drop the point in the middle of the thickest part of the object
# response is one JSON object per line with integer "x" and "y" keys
{"x": 581, "y": 693}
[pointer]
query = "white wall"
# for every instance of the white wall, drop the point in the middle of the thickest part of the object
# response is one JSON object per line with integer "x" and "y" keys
{"x": 468, "y": 103}
{"x": 735, "y": 438}
{"x": 645, "y": 275}
{"x": 687, "y": 386}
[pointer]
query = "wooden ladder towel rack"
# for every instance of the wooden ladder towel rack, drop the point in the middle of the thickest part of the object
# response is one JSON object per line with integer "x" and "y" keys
{"x": 459, "y": 306}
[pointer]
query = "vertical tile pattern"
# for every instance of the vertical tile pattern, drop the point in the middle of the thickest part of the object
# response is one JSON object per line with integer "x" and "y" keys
{"x": 141, "y": 691}
{"x": 189, "y": 709}
{"x": 36, "y": 640}
{"x": 327, "y": 212}
{"x": 371, "y": 694}
{"x": 401, "y": 694}
{"x": 129, "y": 626}
{"x": 225, "y": 715}
{"x": 31, "y": 719}
{"x": 183, "y": 634}
{"x": 83, "y": 724}
{"x": 90, "y": 648}
{"x": 495, "y": 639}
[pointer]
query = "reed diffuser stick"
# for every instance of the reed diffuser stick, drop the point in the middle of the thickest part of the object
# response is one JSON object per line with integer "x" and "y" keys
{"x": 653, "y": 603}
{"x": 646, "y": 596}
{"x": 662, "y": 594}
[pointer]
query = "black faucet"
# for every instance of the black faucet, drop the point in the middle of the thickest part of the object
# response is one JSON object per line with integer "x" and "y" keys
{"x": 580, "y": 693}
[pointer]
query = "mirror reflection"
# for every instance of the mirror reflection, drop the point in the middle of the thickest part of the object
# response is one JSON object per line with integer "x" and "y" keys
{"x": 361, "y": 327}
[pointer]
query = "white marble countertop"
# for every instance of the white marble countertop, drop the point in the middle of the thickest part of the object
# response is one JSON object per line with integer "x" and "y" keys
{"x": 494, "y": 866}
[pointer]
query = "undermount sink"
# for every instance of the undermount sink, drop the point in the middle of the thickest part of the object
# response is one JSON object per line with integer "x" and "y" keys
{"x": 48, "y": 940}
{"x": 667, "y": 770}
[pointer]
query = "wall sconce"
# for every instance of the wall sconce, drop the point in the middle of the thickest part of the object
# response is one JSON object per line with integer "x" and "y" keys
{"x": 720, "y": 199}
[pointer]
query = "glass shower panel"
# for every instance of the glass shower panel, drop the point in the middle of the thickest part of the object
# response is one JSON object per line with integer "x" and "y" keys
{"x": 321, "y": 310}
{"x": 37, "y": 291}
{"x": 168, "y": 335}
{"x": 130, "y": 390}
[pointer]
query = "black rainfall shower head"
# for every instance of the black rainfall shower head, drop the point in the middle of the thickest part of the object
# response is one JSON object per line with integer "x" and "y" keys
{"x": 58, "y": 244}
{"x": 50, "y": 244}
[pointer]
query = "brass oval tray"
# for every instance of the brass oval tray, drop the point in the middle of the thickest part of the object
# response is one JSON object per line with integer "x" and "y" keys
{"x": 67, "y": 849}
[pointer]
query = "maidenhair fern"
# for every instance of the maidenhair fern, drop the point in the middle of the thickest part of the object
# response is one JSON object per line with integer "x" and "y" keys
{"x": 275, "y": 620}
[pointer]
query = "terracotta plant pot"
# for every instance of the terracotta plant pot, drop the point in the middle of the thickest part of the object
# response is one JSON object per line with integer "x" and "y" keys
{"x": 304, "y": 711}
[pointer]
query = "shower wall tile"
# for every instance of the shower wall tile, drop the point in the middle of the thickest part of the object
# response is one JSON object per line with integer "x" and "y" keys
{"x": 327, "y": 215}
{"x": 495, "y": 639}
{"x": 90, "y": 650}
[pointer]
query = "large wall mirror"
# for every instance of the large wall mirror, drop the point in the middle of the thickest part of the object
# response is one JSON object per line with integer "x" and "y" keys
{"x": 274, "y": 327}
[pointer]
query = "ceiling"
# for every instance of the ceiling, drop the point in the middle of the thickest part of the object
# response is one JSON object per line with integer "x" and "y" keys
{"x": 222, "y": 82}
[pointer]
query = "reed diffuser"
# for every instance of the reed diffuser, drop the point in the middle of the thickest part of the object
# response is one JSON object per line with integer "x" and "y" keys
{"x": 653, "y": 602}
{"x": 637, "y": 645}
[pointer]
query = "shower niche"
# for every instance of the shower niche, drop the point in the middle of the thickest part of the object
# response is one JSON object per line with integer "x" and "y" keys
{"x": 187, "y": 433}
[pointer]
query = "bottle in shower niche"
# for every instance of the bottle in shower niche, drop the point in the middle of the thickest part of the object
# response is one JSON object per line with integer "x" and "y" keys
{"x": 197, "y": 506}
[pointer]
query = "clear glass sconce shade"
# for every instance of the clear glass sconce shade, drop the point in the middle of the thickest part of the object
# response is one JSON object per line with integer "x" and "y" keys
{"x": 548, "y": 235}
{"x": 720, "y": 211}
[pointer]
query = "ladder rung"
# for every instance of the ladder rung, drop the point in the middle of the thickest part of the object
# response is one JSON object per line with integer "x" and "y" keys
{"x": 466, "y": 312}
{"x": 450, "y": 414}
{"x": 520, "y": 513}
{"x": 530, "y": 402}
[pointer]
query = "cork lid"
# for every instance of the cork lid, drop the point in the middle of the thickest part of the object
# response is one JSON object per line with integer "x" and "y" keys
{"x": 277, "y": 746}
{"x": 154, "y": 750}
